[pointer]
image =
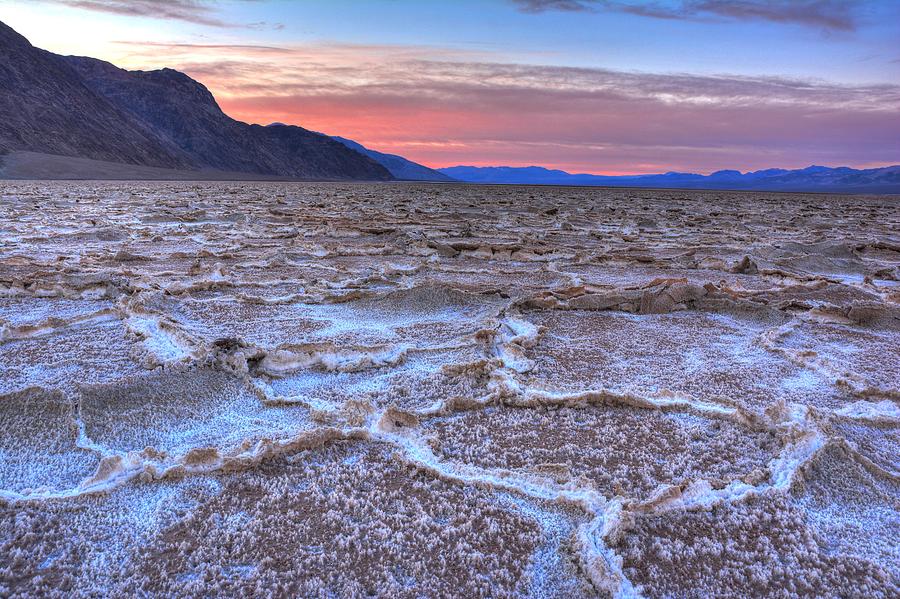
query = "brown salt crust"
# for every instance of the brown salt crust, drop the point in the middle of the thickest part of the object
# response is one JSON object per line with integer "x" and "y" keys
{"x": 80, "y": 546}
{"x": 760, "y": 545}
{"x": 90, "y": 351}
{"x": 608, "y": 446}
{"x": 301, "y": 522}
{"x": 704, "y": 356}
{"x": 39, "y": 443}
{"x": 659, "y": 296}
{"x": 176, "y": 410}
{"x": 518, "y": 283}
{"x": 863, "y": 359}
{"x": 819, "y": 294}
{"x": 604, "y": 272}
{"x": 851, "y": 504}
{"x": 876, "y": 444}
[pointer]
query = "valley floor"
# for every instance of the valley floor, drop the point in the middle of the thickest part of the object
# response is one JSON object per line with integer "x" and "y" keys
{"x": 405, "y": 390}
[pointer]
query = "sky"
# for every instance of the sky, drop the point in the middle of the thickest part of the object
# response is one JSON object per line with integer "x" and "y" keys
{"x": 596, "y": 86}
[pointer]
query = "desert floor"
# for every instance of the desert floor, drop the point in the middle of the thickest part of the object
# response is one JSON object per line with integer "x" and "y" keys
{"x": 404, "y": 390}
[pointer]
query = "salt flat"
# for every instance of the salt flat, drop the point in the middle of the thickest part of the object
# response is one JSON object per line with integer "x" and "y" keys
{"x": 405, "y": 390}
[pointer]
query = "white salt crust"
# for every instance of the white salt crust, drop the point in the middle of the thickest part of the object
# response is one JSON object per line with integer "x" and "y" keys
{"x": 405, "y": 390}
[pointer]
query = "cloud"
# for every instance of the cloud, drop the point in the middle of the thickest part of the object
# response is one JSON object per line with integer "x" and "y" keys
{"x": 199, "y": 12}
{"x": 546, "y": 5}
{"x": 837, "y": 15}
{"x": 172, "y": 47}
{"x": 452, "y": 109}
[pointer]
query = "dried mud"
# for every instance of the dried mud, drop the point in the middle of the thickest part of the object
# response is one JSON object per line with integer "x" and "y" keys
{"x": 406, "y": 390}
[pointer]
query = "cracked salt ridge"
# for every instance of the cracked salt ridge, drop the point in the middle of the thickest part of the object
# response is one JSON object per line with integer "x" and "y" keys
{"x": 424, "y": 381}
{"x": 872, "y": 433}
{"x": 866, "y": 376}
{"x": 382, "y": 319}
{"x": 92, "y": 351}
{"x": 603, "y": 566}
{"x": 119, "y": 468}
{"x": 843, "y": 505}
{"x": 19, "y": 311}
{"x": 733, "y": 373}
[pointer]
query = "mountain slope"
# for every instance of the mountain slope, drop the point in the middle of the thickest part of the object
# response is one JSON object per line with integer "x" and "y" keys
{"x": 399, "y": 167}
{"x": 46, "y": 107}
{"x": 185, "y": 115}
{"x": 88, "y": 109}
{"x": 813, "y": 179}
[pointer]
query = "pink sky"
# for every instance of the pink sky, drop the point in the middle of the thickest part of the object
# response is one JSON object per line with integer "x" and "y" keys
{"x": 443, "y": 113}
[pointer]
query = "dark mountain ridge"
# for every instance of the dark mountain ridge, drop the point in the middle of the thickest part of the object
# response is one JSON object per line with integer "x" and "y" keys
{"x": 46, "y": 107}
{"x": 87, "y": 108}
{"x": 185, "y": 115}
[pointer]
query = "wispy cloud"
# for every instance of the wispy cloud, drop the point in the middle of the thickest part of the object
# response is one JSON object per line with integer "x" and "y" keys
{"x": 452, "y": 108}
{"x": 827, "y": 14}
{"x": 199, "y": 12}
{"x": 172, "y": 47}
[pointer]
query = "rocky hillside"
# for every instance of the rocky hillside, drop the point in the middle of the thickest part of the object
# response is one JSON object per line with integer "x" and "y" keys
{"x": 87, "y": 108}
{"x": 46, "y": 107}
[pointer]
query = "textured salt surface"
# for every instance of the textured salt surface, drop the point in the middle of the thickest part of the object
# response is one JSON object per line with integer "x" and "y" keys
{"x": 412, "y": 390}
{"x": 615, "y": 448}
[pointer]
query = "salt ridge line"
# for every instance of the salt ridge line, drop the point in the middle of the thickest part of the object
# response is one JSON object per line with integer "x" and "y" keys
{"x": 53, "y": 324}
{"x": 842, "y": 377}
{"x": 602, "y": 565}
{"x": 767, "y": 339}
{"x": 793, "y": 416}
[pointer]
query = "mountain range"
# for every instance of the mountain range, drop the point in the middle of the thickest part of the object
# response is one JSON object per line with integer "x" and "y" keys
{"x": 399, "y": 167}
{"x": 812, "y": 178}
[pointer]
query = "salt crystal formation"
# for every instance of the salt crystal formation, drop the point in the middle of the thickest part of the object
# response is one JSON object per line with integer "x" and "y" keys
{"x": 347, "y": 390}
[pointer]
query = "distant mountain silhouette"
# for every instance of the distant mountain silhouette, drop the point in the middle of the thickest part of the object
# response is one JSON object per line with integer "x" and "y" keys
{"x": 812, "y": 178}
{"x": 88, "y": 108}
{"x": 399, "y": 167}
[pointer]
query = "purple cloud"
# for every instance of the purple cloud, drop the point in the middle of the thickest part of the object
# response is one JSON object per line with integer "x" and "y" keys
{"x": 200, "y": 12}
{"x": 827, "y": 14}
